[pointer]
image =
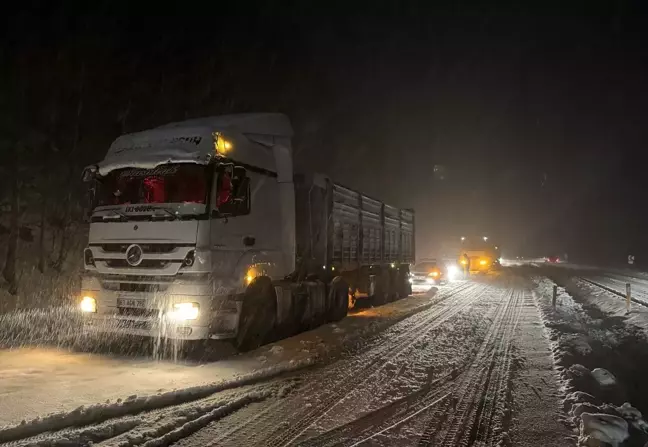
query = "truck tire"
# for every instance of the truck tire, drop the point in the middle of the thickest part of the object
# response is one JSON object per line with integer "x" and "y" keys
{"x": 395, "y": 288}
{"x": 389, "y": 285}
{"x": 258, "y": 315}
{"x": 338, "y": 299}
{"x": 380, "y": 291}
{"x": 404, "y": 286}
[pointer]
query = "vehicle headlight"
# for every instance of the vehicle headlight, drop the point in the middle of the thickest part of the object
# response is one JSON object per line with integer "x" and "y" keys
{"x": 434, "y": 274}
{"x": 88, "y": 304}
{"x": 184, "y": 311}
{"x": 251, "y": 274}
{"x": 452, "y": 271}
{"x": 483, "y": 262}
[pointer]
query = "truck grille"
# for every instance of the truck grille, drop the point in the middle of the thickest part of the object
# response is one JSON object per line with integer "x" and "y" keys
{"x": 145, "y": 264}
{"x": 124, "y": 285}
{"x": 146, "y": 248}
{"x": 135, "y": 287}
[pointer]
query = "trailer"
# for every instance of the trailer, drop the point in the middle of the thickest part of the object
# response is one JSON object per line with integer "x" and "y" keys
{"x": 367, "y": 242}
{"x": 201, "y": 230}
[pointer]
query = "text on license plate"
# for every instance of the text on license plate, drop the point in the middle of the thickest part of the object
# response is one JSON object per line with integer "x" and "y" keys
{"x": 128, "y": 302}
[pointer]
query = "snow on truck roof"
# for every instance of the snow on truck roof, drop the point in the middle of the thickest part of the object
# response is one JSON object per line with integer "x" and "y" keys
{"x": 189, "y": 141}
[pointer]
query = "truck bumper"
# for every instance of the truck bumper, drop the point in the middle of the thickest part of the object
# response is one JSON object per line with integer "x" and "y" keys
{"x": 151, "y": 314}
{"x": 155, "y": 328}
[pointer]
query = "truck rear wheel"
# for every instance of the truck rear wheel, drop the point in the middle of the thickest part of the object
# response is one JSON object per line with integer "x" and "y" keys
{"x": 258, "y": 315}
{"x": 404, "y": 286}
{"x": 380, "y": 292}
{"x": 338, "y": 299}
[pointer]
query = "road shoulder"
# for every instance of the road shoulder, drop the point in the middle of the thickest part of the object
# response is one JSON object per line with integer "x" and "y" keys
{"x": 536, "y": 391}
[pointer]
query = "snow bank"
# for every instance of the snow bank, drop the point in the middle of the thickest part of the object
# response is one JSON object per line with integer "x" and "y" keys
{"x": 604, "y": 377}
{"x": 573, "y": 333}
{"x": 188, "y": 422}
{"x": 603, "y": 427}
{"x": 134, "y": 404}
{"x": 615, "y": 306}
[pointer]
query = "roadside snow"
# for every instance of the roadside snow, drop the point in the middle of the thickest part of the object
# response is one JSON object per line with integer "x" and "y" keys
{"x": 615, "y": 306}
{"x": 604, "y": 377}
{"x": 85, "y": 415}
{"x": 603, "y": 427}
{"x": 576, "y": 335}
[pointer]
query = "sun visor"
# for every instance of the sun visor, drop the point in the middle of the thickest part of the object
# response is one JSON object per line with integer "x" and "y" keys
{"x": 158, "y": 146}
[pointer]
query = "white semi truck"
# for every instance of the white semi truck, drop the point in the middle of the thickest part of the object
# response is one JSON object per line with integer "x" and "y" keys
{"x": 201, "y": 230}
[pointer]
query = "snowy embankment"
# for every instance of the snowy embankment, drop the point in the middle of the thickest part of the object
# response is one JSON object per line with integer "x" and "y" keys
{"x": 597, "y": 357}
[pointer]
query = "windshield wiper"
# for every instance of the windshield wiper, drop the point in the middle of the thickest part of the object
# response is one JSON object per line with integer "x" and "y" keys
{"x": 169, "y": 213}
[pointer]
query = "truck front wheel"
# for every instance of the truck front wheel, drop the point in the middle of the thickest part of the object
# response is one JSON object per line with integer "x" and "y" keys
{"x": 258, "y": 315}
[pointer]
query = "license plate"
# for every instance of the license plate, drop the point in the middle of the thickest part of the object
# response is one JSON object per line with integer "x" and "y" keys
{"x": 129, "y": 302}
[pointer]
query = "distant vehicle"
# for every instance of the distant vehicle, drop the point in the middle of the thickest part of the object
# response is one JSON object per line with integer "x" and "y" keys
{"x": 201, "y": 230}
{"x": 427, "y": 273}
{"x": 479, "y": 261}
{"x": 553, "y": 259}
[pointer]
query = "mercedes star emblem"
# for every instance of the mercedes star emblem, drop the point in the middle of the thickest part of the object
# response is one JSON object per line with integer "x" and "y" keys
{"x": 134, "y": 255}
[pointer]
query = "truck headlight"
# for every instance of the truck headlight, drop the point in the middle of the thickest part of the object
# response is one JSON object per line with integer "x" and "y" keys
{"x": 184, "y": 311}
{"x": 88, "y": 304}
{"x": 483, "y": 262}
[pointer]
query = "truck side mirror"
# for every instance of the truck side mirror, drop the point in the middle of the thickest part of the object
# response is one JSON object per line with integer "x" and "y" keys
{"x": 89, "y": 174}
{"x": 242, "y": 197}
{"x": 89, "y": 177}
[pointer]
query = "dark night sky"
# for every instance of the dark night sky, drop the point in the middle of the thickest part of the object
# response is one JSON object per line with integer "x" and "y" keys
{"x": 537, "y": 112}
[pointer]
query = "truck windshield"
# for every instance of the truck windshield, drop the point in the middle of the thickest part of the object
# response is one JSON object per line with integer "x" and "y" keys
{"x": 170, "y": 183}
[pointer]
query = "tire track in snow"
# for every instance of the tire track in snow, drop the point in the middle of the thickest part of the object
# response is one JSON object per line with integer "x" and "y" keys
{"x": 439, "y": 400}
{"x": 330, "y": 387}
{"x": 474, "y": 413}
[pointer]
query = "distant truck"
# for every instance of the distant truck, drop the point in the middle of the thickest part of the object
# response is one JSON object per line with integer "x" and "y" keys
{"x": 201, "y": 230}
{"x": 479, "y": 258}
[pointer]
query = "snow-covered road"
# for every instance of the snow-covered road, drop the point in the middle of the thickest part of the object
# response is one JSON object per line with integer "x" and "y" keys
{"x": 437, "y": 369}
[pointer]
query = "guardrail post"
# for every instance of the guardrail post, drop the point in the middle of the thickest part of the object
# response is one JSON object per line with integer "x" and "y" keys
{"x": 628, "y": 296}
{"x": 555, "y": 294}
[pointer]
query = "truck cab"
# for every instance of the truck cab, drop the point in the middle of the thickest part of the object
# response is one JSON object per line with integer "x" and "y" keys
{"x": 174, "y": 241}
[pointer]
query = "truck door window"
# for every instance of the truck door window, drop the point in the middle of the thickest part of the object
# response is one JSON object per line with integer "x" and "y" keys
{"x": 232, "y": 191}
